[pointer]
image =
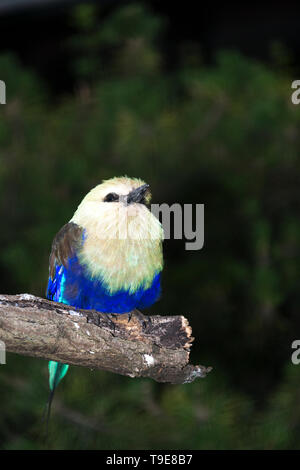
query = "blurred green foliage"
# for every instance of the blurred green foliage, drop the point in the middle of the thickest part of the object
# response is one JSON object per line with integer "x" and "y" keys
{"x": 225, "y": 135}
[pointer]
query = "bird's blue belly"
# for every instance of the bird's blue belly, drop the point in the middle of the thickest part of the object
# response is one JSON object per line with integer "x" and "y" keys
{"x": 71, "y": 285}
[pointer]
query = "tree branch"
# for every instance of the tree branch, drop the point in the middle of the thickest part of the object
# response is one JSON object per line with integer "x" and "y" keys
{"x": 134, "y": 345}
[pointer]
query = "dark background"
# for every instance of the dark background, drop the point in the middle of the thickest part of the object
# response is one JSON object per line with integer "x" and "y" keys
{"x": 198, "y": 104}
{"x": 36, "y": 32}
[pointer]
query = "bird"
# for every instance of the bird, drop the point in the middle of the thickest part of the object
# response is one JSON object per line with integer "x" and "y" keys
{"x": 108, "y": 257}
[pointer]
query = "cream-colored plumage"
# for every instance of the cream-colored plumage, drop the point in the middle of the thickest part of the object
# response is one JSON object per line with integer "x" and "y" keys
{"x": 123, "y": 243}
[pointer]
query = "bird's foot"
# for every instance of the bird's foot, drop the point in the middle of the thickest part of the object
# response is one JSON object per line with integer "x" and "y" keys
{"x": 143, "y": 319}
{"x": 110, "y": 318}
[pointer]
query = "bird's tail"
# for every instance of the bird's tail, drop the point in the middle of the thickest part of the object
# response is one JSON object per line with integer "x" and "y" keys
{"x": 57, "y": 371}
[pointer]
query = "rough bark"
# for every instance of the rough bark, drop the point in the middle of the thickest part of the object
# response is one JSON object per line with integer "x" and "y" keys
{"x": 129, "y": 344}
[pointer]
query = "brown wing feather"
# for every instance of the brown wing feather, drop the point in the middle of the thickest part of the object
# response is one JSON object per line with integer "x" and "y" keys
{"x": 64, "y": 246}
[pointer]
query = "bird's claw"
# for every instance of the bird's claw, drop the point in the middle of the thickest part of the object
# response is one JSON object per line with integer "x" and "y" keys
{"x": 111, "y": 322}
{"x": 143, "y": 319}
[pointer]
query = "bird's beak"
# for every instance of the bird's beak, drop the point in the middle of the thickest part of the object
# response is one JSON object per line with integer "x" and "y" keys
{"x": 136, "y": 195}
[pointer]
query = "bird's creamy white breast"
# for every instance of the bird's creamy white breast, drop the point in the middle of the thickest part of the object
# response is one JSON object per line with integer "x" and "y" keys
{"x": 122, "y": 245}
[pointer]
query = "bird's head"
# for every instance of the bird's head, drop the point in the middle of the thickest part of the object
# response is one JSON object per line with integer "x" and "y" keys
{"x": 119, "y": 209}
{"x": 121, "y": 191}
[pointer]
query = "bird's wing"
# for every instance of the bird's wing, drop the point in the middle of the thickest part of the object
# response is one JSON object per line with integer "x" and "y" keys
{"x": 64, "y": 248}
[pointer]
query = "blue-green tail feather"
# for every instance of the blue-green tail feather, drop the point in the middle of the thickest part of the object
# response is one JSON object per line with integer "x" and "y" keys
{"x": 57, "y": 371}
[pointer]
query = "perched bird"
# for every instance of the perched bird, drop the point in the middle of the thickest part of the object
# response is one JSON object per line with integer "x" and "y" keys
{"x": 108, "y": 257}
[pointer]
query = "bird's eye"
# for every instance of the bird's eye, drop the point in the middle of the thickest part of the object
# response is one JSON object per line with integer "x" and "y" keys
{"x": 111, "y": 197}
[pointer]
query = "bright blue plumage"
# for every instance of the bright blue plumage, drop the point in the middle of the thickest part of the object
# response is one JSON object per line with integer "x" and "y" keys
{"x": 72, "y": 286}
